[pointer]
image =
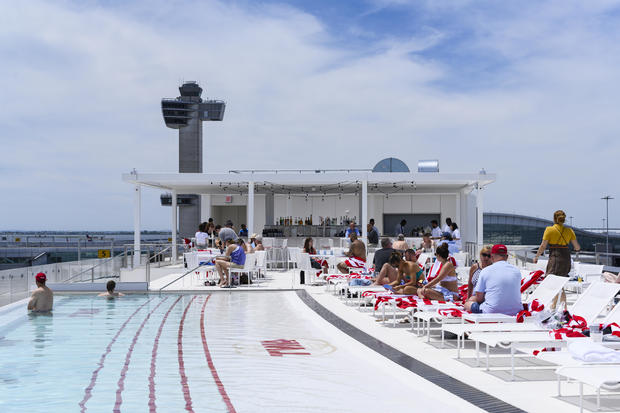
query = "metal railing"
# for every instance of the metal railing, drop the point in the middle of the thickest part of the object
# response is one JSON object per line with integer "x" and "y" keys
{"x": 158, "y": 258}
{"x": 181, "y": 276}
{"x": 153, "y": 252}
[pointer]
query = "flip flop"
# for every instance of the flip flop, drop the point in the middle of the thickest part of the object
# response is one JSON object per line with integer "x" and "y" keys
{"x": 389, "y": 288}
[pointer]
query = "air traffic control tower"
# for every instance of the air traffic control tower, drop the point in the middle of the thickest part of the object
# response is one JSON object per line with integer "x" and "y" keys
{"x": 186, "y": 113}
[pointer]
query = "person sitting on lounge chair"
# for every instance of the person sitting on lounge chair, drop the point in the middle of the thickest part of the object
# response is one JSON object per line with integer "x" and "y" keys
{"x": 442, "y": 283}
{"x": 389, "y": 271}
{"x": 256, "y": 243}
{"x": 498, "y": 289}
{"x": 356, "y": 256}
{"x": 400, "y": 244}
{"x": 410, "y": 277}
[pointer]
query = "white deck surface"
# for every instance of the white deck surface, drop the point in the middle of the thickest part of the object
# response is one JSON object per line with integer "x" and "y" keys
{"x": 535, "y": 387}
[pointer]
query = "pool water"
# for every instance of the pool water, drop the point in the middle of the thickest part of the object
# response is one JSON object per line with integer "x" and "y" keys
{"x": 224, "y": 352}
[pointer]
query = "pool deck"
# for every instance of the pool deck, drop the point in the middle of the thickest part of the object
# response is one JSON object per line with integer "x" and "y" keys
{"x": 533, "y": 390}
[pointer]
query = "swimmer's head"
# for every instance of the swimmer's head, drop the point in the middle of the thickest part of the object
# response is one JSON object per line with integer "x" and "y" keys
{"x": 110, "y": 286}
{"x": 40, "y": 278}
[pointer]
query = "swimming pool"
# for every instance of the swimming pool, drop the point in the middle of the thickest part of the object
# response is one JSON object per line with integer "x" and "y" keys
{"x": 243, "y": 352}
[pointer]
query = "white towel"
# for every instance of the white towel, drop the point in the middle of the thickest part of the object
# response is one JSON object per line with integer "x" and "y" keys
{"x": 590, "y": 352}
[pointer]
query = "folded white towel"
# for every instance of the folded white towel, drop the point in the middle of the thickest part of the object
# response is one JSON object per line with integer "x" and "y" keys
{"x": 590, "y": 352}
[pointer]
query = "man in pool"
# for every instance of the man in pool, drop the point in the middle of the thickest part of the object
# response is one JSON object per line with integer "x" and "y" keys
{"x": 110, "y": 286}
{"x": 42, "y": 299}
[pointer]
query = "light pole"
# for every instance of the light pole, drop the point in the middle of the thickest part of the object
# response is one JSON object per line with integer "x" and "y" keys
{"x": 571, "y": 221}
{"x": 607, "y": 198}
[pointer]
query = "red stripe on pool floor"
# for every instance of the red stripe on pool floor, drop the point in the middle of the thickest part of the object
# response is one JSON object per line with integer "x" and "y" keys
{"x": 121, "y": 380}
{"x": 152, "y": 406}
{"x": 216, "y": 377}
{"x": 184, "y": 385}
{"x": 93, "y": 380}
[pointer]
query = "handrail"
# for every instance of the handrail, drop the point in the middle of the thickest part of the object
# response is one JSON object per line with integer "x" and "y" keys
{"x": 177, "y": 279}
{"x": 160, "y": 252}
{"x": 38, "y": 256}
{"x": 96, "y": 265}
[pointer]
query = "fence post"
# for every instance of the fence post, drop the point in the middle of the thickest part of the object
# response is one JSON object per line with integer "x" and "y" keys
{"x": 92, "y": 274}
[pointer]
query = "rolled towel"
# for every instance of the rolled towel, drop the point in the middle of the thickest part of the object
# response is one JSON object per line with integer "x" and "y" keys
{"x": 590, "y": 352}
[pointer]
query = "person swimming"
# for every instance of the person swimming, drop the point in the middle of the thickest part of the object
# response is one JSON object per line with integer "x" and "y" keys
{"x": 42, "y": 299}
{"x": 110, "y": 294}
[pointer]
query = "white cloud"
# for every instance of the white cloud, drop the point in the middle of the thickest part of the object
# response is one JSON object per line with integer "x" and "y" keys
{"x": 84, "y": 84}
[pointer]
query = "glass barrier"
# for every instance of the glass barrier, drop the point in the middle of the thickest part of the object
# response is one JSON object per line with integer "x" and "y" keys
{"x": 16, "y": 284}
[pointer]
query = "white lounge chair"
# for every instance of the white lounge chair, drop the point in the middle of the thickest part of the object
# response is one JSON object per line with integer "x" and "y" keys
{"x": 544, "y": 294}
{"x": 430, "y": 314}
{"x": 589, "y": 305}
{"x": 598, "y": 376}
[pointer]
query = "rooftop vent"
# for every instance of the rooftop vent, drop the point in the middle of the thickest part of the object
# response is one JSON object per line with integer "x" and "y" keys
{"x": 429, "y": 165}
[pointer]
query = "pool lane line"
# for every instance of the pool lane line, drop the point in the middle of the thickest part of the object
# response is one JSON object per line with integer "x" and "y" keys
{"x": 460, "y": 389}
{"x": 216, "y": 377}
{"x": 184, "y": 385}
{"x": 121, "y": 379}
{"x": 152, "y": 406}
{"x": 93, "y": 380}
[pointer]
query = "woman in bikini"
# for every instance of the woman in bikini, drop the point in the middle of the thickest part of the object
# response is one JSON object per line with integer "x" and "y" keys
{"x": 410, "y": 277}
{"x": 442, "y": 283}
{"x": 389, "y": 271}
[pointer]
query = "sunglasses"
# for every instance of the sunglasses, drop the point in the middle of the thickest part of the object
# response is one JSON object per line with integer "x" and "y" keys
{"x": 486, "y": 255}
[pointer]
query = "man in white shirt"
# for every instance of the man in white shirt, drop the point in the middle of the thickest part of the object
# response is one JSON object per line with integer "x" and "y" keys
{"x": 498, "y": 289}
{"x": 448, "y": 226}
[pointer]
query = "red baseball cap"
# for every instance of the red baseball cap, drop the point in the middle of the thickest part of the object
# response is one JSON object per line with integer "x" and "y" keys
{"x": 499, "y": 249}
{"x": 40, "y": 277}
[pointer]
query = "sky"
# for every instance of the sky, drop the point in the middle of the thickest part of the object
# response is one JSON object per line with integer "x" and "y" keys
{"x": 527, "y": 90}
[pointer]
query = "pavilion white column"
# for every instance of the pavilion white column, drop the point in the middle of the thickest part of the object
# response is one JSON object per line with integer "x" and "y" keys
{"x": 206, "y": 211}
{"x": 364, "y": 211}
{"x": 479, "y": 217}
{"x": 174, "y": 227}
{"x": 137, "y": 206}
{"x": 250, "y": 209}
{"x": 458, "y": 219}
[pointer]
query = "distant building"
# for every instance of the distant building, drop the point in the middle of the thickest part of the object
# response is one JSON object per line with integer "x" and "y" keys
{"x": 512, "y": 229}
